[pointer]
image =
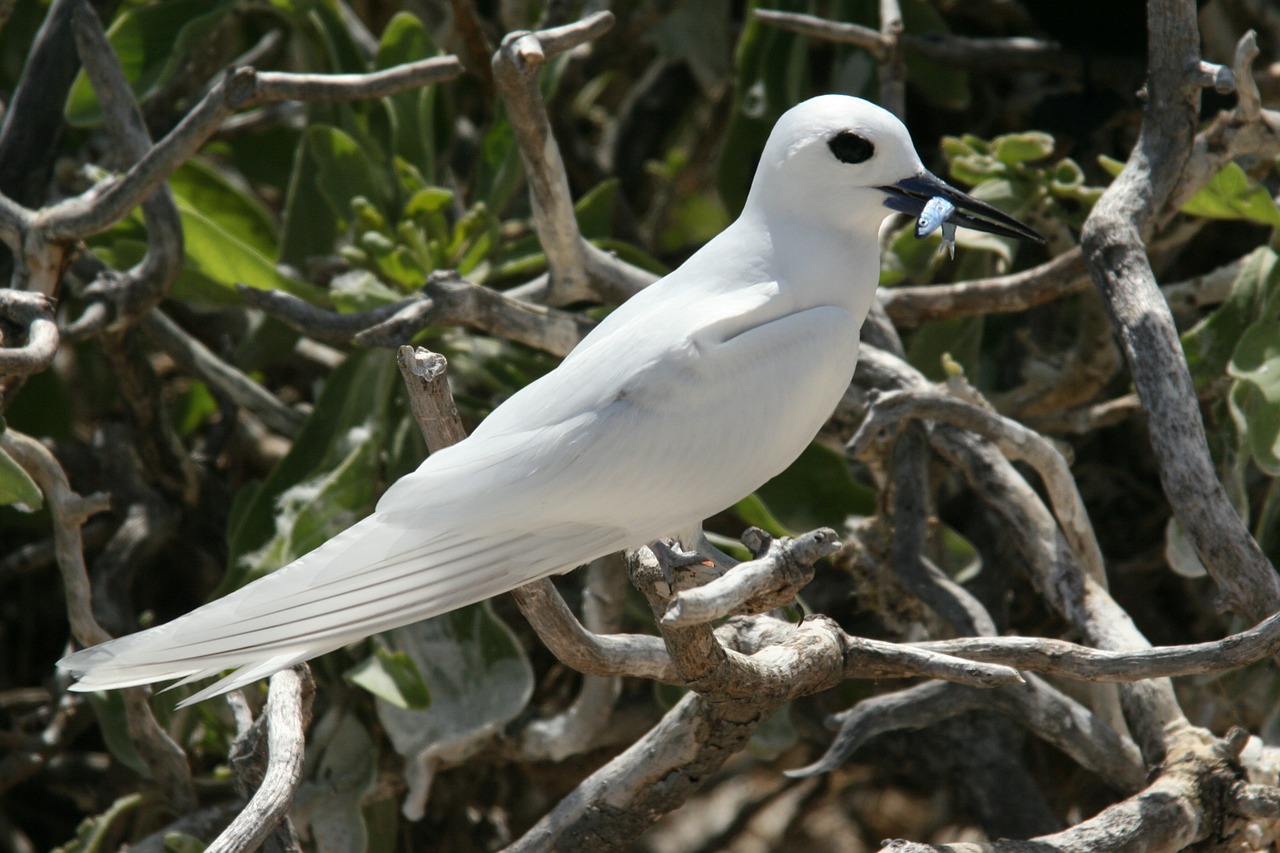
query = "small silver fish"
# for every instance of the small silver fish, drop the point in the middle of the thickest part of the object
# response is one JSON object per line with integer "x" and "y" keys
{"x": 937, "y": 211}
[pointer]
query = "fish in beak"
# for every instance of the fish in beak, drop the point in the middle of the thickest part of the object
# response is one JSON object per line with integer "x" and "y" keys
{"x": 919, "y": 195}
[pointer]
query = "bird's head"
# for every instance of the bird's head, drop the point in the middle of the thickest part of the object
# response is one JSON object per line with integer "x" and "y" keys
{"x": 845, "y": 161}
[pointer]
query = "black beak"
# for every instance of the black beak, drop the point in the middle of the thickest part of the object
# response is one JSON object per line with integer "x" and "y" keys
{"x": 912, "y": 194}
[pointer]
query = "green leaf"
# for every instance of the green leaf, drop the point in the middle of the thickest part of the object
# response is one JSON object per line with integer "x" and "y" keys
{"x": 391, "y": 676}
{"x": 1015, "y": 148}
{"x": 480, "y": 680}
{"x": 405, "y": 39}
{"x": 97, "y": 831}
{"x": 961, "y": 338}
{"x": 594, "y": 211}
{"x": 201, "y": 186}
{"x": 178, "y": 842}
{"x": 16, "y": 485}
{"x": 815, "y": 491}
{"x": 216, "y": 260}
{"x": 108, "y": 707}
{"x": 1210, "y": 343}
{"x": 938, "y": 80}
{"x": 340, "y": 770}
{"x": 326, "y": 482}
{"x": 772, "y": 71}
{"x": 1230, "y": 194}
{"x": 152, "y": 43}
{"x": 310, "y": 229}
{"x": 1255, "y": 399}
{"x": 344, "y": 171}
{"x": 195, "y": 406}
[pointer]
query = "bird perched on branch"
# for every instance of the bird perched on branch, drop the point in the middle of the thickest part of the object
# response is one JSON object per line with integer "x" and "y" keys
{"x": 684, "y": 400}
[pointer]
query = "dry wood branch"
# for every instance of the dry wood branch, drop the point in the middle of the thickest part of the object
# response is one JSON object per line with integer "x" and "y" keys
{"x": 118, "y": 300}
{"x": 910, "y": 306}
{"x": 1060, "y": 658}
{"x": 198, "y": 360}
{"x": 165, "y": 457}
{"x": 1150, "y": 707}
{"x": 771, "y": 580}
{"x": 892, "y": 66}
{"x": 1046, "y": 712}
{"x": 917, "y": 572}
{"x": 446, "y": 300}
{"x": 69, "y": 510}
{"x": 287, "y": 715}
{"x": 425, "y": 374}
{"x": 1189, "y": 802}
{"x": 578, "y": 727}
{"x": 1002, "y": 53}
{"x": 32, "y": 313}
{"x": 1014, "y": 440}
{"x": 111, "y": 200}
{"x": 635, "y": 655}
{"x": 516, "y": 65}
{"x": 1247, "y": 129}
{"x": 1112, "y": 241}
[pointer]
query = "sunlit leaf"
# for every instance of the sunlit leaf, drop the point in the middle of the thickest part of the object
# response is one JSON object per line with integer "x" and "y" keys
{"x": 391, "y": 676}
{"x": 16, "y": 485}
{"x": 1230, "y": 194}
{"x": 151, "y": 43}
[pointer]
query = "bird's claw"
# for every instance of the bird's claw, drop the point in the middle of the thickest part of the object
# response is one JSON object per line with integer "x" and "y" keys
{"x": 672, "y": 556}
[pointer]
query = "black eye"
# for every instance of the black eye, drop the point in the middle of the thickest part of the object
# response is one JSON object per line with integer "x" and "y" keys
{"x": 850, "y": 147}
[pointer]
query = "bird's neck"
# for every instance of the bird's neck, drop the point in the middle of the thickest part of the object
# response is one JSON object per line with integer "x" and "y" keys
{"x": 821, "y": 263}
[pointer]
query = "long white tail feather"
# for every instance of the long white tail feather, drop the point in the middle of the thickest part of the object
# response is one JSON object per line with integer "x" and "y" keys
{"x": 375, "y": 576}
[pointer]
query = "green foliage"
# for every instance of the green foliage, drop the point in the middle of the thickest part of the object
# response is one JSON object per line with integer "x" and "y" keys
{"x": 391, "y": 676}
{"x": 16, "y": 485}
{"x": 815, "y": 491}
{"x": 1005, "y": 172}
{"x": 151, "y": 41}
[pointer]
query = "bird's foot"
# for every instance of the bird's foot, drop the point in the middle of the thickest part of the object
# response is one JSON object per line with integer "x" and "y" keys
{"x": 672, "y": 556}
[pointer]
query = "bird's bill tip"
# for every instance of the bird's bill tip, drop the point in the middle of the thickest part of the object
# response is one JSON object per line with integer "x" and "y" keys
{"x": 910, "y": 196}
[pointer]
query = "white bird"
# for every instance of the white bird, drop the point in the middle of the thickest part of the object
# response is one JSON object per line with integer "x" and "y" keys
{"x": 684, "y": 400}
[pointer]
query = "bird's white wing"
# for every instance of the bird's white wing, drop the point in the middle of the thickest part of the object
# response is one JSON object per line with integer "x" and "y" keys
{"x": 605, "y": 452}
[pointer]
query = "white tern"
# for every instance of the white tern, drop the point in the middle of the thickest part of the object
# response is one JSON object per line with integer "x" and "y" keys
{"x": 688, "y": 397}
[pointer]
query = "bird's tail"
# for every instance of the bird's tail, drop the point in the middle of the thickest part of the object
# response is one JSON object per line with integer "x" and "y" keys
{"x": 379, "y": 574}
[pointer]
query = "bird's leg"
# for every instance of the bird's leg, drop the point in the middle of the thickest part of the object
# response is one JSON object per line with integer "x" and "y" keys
{"x": 671, "y": 555}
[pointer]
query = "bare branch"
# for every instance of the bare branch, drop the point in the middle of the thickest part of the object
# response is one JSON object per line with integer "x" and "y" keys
{"x": 917, "y": 572}
{"x": 578, "y": 728}
{"x": 1247, "y": 129}
{"x": 446, "y": 299}
{"x": 424, "y": 373}
{"x": 166, "y": 760}
{"x": 909, "y": 306}
{"x": 892, "y": 66}
{"x": 515, "y": 72}
{"x": 1112, "y": 242}
{"x": 1003, "y": 53}
{"x": 1045, "y": 711}
{"x": 636, "y": 655}
{"x": 771, "y": 580}
{"x": 239, "y": 88}
{"x": 1151, "y": 707}
{"x": 129, "y": 296}
{"x": 196, "y": 359}
{"x": 1014, "y": 440}
{"x": 837, "y": 31}
{"x": 33, "y": 313}
{"x": 287, "y": 714}
{"x": 1060, "y": 658}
